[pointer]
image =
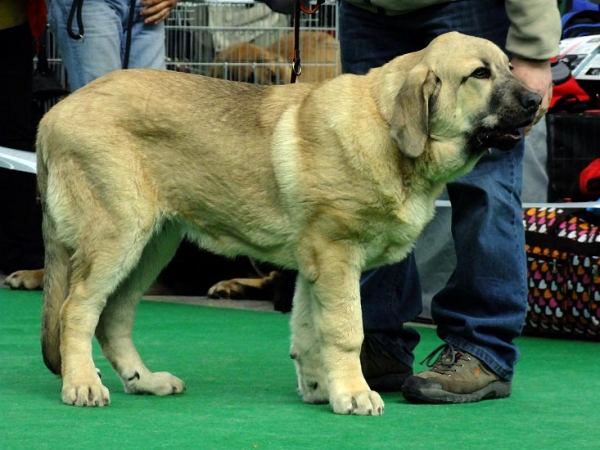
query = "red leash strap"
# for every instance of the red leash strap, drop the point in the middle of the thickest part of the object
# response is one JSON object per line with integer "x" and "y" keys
{"x": 300, "y": 7}
{"x": 307, "y": 10}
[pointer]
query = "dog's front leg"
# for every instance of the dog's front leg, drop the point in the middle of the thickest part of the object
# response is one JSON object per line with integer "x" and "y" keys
{"x": 327, "y": 336}
{"x": 306, "y": 350}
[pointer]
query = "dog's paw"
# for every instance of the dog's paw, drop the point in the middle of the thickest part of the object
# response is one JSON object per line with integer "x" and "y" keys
{"x": 228, "y": 289}
{"x": 363, "y": 403}
{"x": 26, "y": 279}
{"x": 85, "y": 393}
{"x": 157, "y": 383}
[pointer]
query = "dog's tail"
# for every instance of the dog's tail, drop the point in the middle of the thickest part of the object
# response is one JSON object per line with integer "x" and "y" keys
{"x": 56, "y": 273}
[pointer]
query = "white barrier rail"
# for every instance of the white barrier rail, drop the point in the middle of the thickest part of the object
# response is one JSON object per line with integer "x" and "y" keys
{"x": 26, "y": 162}
{"x": 17, "y": 160}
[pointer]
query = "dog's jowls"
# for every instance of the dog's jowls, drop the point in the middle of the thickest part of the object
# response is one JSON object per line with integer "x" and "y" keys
{"x": 329, "y": 179}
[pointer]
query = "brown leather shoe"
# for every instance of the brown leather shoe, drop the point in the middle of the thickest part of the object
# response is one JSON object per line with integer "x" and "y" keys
{"x": 455, "y": 377}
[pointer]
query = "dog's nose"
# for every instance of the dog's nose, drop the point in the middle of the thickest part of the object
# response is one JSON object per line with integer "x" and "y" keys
{"x": 531, "y": 102}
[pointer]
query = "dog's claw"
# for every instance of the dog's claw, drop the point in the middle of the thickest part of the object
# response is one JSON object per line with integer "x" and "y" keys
{"x": 367, "y": 403}
{"x": 93, "y": 395}
{"x": 157, "y": 383}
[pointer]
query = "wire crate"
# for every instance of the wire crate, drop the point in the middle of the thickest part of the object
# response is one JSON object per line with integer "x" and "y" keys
{"x": 244, "y": 40}
{"x": 241, "y": 40}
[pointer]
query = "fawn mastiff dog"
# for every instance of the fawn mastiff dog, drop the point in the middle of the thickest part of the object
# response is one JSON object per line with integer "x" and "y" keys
{"x": 328, "y": 179}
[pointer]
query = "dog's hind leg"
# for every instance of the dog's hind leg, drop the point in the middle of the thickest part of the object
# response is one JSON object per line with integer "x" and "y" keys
{"x": 116, "y": 322}
{"x": 56, "y": 289}
{"x": 104, "y": 258}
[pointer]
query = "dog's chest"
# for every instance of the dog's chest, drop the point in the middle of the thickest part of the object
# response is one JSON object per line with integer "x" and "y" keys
{"x": 394, "y": 236}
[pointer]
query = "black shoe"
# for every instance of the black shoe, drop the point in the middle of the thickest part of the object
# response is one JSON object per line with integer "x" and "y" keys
{"x": 383, "y": 372}
{"x": 455, "y": 377}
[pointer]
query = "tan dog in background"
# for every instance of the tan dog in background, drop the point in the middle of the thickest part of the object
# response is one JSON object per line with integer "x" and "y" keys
{"x": 244, "y": 61}
{"x": 319, "y": 54}
{"x": 343, "y": 178}
{"x": 250, "y": 63}
{"x": 25, "y": 279}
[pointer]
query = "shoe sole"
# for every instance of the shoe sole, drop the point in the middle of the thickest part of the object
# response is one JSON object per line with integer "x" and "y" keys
{"x": 436, "y": 395}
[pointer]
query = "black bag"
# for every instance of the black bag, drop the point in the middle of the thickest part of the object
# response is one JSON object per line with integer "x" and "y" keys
{"x": 573, "y": 143}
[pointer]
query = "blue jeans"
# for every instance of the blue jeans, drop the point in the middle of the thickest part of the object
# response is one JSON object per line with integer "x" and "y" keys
{"x": 483, "y": 306}
{"x": 102, "y": 48}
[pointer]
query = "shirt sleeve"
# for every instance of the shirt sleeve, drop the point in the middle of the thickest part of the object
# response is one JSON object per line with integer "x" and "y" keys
{"x": 535, "y": 28}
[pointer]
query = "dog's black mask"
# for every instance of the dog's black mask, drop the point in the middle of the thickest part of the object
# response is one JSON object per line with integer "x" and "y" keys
{"x": 509, "y": 131}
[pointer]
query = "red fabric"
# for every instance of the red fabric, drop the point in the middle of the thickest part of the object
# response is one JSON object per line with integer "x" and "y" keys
{"x": 36, "y": 15}
{"x": 589, "y": 179}
{"x": 571, "y": 88}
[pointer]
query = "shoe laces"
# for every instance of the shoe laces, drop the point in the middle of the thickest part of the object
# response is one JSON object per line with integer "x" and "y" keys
{"x": 448, "y": 360}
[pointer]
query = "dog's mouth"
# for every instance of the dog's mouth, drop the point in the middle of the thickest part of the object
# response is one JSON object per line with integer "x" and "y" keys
{"x": 502, "y": 139}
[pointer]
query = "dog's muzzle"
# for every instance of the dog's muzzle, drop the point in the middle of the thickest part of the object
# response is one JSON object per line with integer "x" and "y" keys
{"x": 508, "y": 134}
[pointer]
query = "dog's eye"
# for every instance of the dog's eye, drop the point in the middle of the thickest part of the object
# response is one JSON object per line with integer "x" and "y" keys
{"x": 481, "y": 73}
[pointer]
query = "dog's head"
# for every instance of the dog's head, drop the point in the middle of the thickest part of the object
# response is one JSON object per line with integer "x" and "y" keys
{"x": 460, "y": 90}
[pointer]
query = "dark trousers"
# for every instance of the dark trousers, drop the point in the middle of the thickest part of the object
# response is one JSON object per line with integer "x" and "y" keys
{"x": 21, "y": 245}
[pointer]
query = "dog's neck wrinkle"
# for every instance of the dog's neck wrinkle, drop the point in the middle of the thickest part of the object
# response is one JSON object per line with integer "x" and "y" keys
{"x": 419, "y": 182}
{"x": 453, "y": 169}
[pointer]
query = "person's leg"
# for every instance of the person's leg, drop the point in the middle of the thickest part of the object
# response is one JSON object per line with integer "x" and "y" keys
{"x": 501, "y": 189}
{"x": 390, "y": 297}
{"x": 369, "y": 40}
{"x": 99, "y": 51}
{"x": 483, "y": 306}
{"x": 21, "y": 246}
{"x": 147, "y": 43}
{"x": 16, "y": 53}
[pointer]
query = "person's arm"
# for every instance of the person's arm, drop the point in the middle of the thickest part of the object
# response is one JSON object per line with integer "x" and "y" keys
{"x": 533, "y": 39}
{"x": 538, "y": 76}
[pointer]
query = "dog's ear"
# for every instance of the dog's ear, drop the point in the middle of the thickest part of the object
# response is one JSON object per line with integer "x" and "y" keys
{"x": 410, "y": 119}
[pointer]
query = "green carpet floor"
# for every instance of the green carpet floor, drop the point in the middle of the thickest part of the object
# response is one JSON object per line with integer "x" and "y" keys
{"x": 241, "y": 393}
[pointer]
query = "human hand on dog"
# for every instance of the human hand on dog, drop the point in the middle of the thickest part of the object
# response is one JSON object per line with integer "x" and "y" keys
{"x": 156, "y": 11}
{"x": 538, "y": 76}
